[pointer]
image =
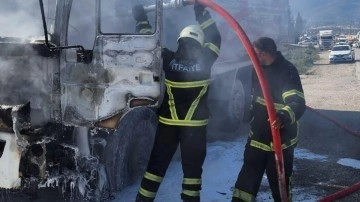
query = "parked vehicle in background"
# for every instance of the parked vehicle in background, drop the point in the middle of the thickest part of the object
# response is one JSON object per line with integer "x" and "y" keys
{"x": 356, "y": 44}
{"x": 351, "y": 39}
{"x": 306, "y": 42}
{"x": 326, "y": 39}
{"x": 342, "y": 41}
{"x": 314, "y": 39}
{"x": 342, "y": 53}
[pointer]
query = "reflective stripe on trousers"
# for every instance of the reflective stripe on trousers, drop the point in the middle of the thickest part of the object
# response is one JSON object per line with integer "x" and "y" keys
{"x": 242, "y": 196}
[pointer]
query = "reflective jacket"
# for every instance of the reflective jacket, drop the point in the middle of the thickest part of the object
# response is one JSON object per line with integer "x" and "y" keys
{"x": 187, "y": 82}
{"x": 289, "y": 101}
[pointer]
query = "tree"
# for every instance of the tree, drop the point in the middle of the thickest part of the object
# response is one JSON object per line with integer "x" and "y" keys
{"x": 299, "y": 25}
{"x": 291, "y": 27}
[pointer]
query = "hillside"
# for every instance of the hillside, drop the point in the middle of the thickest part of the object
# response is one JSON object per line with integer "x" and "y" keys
{"x": 327, "y": 12}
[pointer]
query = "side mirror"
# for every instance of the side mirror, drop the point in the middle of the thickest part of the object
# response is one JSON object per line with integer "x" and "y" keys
{"x": 71, "y": 55}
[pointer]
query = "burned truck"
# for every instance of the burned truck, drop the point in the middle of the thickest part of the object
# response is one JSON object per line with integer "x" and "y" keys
{"x": 71, "y": 72}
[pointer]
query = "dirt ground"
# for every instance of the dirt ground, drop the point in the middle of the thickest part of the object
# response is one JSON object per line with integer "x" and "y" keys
{"x": 330, "y": 127}
{"x": 332, "y": 86}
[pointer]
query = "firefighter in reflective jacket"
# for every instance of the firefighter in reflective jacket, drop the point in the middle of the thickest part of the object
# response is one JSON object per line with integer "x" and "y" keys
{"x": 288, "y": 97}
{"x": 183, "y": 114}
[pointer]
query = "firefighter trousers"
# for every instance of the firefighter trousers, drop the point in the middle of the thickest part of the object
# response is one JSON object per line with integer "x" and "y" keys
{"x": 256, "y": 163}
{"x": 192, "y": 142}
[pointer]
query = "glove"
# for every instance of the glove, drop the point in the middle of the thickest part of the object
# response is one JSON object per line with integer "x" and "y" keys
{"x": 198, "y": 8}
{"x": 139, "y": 13}
{"x": 283, "y": 118}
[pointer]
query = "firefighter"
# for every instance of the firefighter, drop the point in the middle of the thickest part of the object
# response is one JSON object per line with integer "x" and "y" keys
{"x": 288, "y": 97}
{"x": 183, "y": 114}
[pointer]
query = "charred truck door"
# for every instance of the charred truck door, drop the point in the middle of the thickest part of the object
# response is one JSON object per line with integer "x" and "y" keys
{"x": 119, "y": 72}
{"x": 77, "y": 97}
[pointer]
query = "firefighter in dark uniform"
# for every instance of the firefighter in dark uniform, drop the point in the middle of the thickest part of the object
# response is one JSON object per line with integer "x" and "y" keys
{"x": 183, "y": 114}
{"x": 288, "y": 97}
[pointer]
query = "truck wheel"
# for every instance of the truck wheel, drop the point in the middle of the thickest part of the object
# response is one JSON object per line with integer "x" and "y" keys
{"x": 226, "y": 114}
{"x": 236, "y": 107}
{"x": 128, "y": 148}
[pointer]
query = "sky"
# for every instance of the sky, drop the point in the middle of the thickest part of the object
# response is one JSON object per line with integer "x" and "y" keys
{"x": 221, "y": 167}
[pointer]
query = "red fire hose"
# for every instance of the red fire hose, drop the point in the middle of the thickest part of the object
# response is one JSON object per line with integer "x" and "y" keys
{"x": 341, "y": 194}
{"x": 265, "y": 89}
{"x": 356, "y": 134}
{"x": 348, "y": 190}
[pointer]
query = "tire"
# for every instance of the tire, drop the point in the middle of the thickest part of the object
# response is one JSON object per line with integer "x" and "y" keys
{"x": 229, "y": 102}
{"x": 129, "y": 146}
{"x": 227, "y": 113}
{"x": 236, "y": 107}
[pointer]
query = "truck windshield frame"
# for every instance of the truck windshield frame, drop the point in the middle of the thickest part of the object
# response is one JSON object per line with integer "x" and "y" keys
{"x": 115, "y": 17}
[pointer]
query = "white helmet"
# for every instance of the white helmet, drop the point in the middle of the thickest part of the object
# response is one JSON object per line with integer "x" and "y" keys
{"x": 194, "y": 32}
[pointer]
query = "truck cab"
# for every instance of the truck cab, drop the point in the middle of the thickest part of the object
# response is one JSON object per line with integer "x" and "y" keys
{"x": 326, "y": 39}
{"x": 78, "y": 88}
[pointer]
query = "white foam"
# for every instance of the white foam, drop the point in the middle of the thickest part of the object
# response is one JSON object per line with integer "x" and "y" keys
{"x": 349, "y": 162}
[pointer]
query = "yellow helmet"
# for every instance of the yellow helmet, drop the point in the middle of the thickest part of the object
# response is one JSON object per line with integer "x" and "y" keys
{"x": 194, "y": 32}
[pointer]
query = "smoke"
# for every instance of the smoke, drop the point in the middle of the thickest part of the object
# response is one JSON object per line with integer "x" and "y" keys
{"x": 26, "y": 80}
{"x": 29, "y": 78}
{"x": 24, "y": 76}
{"x": 255, "y": 17}
{"x": 232, "y": 71}
{"x": 20, "y": 18}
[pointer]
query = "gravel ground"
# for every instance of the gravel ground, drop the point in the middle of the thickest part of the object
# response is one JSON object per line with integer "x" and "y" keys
{"x": 331, "y": 90}
{"x": 332, "y": 86}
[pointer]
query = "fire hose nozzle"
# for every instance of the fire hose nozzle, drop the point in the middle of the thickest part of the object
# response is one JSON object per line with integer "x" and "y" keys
{"x": 173, "y": 4}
